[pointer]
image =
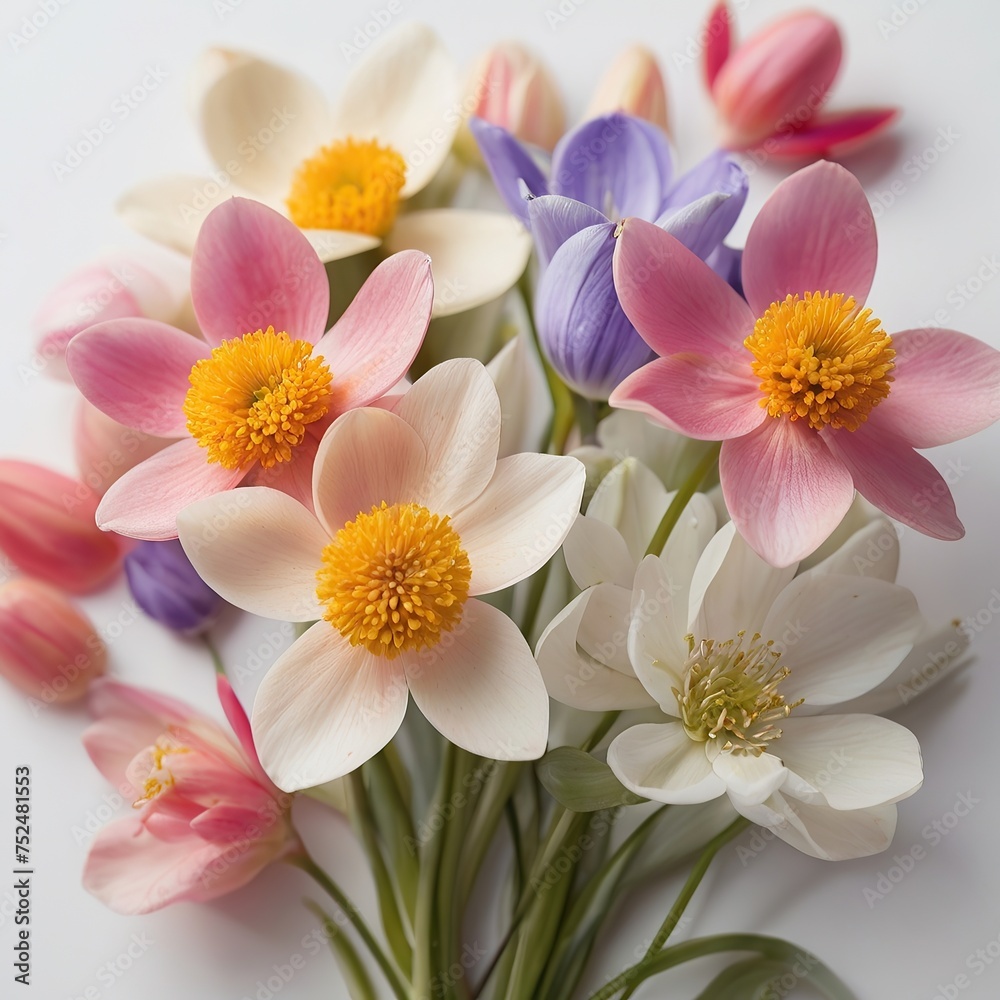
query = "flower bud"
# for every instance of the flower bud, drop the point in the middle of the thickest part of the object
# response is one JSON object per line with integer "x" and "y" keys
{"x": 511, "y": 88}
{"x": 166, "y": 586}
{"x": 776, "y": 80}
{"x": 48, "y": 648}
{"x": 105, "y": 449}
{"x": 47, "y": 528}
{"x": 633, "y": 84}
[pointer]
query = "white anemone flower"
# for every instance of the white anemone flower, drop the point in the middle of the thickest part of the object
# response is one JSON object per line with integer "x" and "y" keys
{"x": 415, "y": 517}
{"x": 742, "y": 657}
{"x": 341, "y": 173}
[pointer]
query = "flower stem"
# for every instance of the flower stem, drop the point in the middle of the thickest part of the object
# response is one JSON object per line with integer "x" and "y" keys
{"x": 389, "y": 970}
{"x": 687, "y": 490}
{"x": 220, "y": 667}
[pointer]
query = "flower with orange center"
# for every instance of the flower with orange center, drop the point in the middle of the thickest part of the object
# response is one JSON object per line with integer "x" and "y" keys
{"x": 415, "y": 518}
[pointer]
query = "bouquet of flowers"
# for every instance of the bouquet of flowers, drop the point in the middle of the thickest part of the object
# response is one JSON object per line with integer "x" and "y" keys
{"x": 581, "y": 521}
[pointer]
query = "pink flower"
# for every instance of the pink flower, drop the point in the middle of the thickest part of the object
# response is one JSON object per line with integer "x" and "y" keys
{"x": 250, "y": 403}
{"x": 809, "y": 395}
{"x": 769, "y": 90}
{"x": 206, "y": 818}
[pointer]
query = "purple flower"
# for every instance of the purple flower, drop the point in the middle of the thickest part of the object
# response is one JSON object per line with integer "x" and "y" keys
{"x": 166, "y": 586}
{"x": 603, "y": 171}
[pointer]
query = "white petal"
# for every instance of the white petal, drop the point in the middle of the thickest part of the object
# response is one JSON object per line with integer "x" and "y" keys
{"x": 475, "y": 256}
{"x": 669, "y": 454}
{"x": 604, "y": 629}
{"x": 367, "y": 456}
{"x": 525, "y": 403}
{"x": 576, "y": 678}
{"x": 871, "y": 551}
{"x": 404, "y": 93}
{"x": 260, "y": 121}
{"x": 325, "y": 708}
{"x": 694, "y": 529}
{"x": 853, "y": 761}
{"x": 481, "y": 688}
{"x": 840, "y": 635}
{"x": 455, "y": 410}
{"x": 661, "y": 762}
{"x": 825, "y": 833}
{"x": 336, "y": 244}
{"x": 733, "y": 588}
{"x": 259, "y": 549}
{"x": 633, "y": 500}
{"x": 596, "y": 553}
{"x": 518, "y": 522}
{"x": 750, "y": 777}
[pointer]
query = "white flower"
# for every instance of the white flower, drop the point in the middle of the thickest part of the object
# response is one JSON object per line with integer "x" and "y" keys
{"x": 742, "y": 657}
{"x": 415, "y": 517}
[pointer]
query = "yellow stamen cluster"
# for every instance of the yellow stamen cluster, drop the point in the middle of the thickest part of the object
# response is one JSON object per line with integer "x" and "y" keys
{"x": 158, "y": 775}
{"x": 252, "y": 400}
{"x": 821, "y": 359}
{"x": 731, "y": 693}
{"x": 394, "y": 579}
{"x": 348, "y": 185}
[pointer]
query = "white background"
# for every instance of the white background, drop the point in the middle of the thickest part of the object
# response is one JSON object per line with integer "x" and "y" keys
{"x": 938, "y": 63}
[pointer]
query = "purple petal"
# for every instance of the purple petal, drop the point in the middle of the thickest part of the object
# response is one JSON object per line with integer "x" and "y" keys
{"x": 618, "y": 164}
{"x": 555, "y": 219}
{"x": 508, "y": 162}
{"x": 581, "y": 325}
{"x": 727, "y": 262}
{"x": 719, "y": 171}
{"x": 702, "y": 225}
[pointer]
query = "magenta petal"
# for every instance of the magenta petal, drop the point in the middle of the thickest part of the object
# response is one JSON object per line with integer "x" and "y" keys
{"x": 372, "y": 345}
{"x": 674, "y": 299}
{"x": 708, "y": 398}
{"x": 251, "y": 269}
{"x": 145, "y": 502}
{"x": 136, "y": 371}
{"x": 239, "y": 722}
{"x": 831, "y": 134}
{"x": 816, "y": 233}
{"x": 785, "y": 490}
{"x": 891, "y": 475}
{"x": 947, "y": 386}
{"x": 718, "y": 41}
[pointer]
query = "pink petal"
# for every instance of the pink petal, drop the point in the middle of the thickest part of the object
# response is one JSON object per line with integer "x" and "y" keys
{"x": 712, "y": 398}
{"x": 368, "y": 456}
{"x": 673, "y": 298}
{"x": 481, "y": 688}
{"x": 237, "y": 717}
{"x": 831, "y": 134}
{"x": 718, "y": 34}
{"x": 371, "y": 346}
{"x": 325, "y": 708}
{"x": 136, "y": 371}
{"x": 890, "y": 474}
{"x": 252, "y": 269}
{"x": 947, "y": 386}
{"x": 294, "y": 477}
{"x": 784, "y": 489}
{"x": 145, "y": 502}
{"x": 816, "y": 233}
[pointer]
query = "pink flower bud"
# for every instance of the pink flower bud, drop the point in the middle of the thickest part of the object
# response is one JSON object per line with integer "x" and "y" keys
{"x": 633, "y": 84}
{"x": 776, "y": 80}
{"x": 509, "y": 87}
{"x": 48, "y": 648}
{"x": 47, "y": 528}
{"x": 105, "y": 449}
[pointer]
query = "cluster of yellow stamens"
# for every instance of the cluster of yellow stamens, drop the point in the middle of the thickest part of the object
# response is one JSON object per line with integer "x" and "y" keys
{"x": 731, "y": 693}
{"x": 348, "y": 185}
{"x": 394, "y": 579}
{"x": 821, "y": 359}
{"x": 252, "y": 400}
{"x": 158, "y": 777}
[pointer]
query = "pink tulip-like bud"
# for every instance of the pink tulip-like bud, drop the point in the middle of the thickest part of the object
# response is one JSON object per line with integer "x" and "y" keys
{"x": 105, "y": 449}
{"x": 48, "y": 648}
{"x": 511, "y": 88}
{"x": 776, "y": 80}
{"x": 633, "y": 83}
{"x": 47, "y": 528}
{"x": 153, "y": 285}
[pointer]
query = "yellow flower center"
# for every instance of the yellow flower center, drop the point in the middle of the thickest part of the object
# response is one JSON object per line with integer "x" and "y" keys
{"x": 731, "y": 693}
{"x": 252, "y": 400}
{"x": 821, "y": 359}
{"x": 158, "y": 777}
{"x": 394, "y": 579}
{"x": 348, "y": 185}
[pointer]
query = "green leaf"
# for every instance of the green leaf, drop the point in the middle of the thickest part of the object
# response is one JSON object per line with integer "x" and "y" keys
{"x": 581, "y": 783}
{"x": 751, "y": 979}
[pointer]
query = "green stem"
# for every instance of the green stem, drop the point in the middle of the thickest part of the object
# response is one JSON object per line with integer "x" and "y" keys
{"x": 359, "y": 985}
{"x": 687, "y": 490}
{"x": 607, "y": 720}
{"x": 214, "y": 653}
{"x": 535, "y": 592}
{"x": 388, "y": 967}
